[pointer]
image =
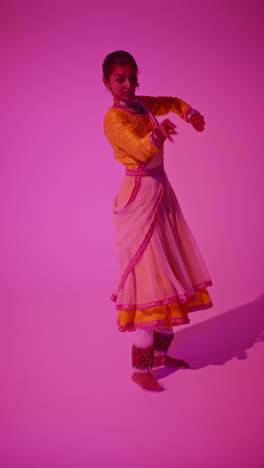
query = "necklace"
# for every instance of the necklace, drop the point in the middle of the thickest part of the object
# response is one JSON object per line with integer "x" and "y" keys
{"x": 132, "y": 108}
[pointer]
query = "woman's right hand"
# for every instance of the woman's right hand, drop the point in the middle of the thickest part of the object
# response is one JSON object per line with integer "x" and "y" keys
{"x": 165, "y": 129}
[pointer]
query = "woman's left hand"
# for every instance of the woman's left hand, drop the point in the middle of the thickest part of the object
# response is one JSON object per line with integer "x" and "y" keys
{"x": 197, "y": 122}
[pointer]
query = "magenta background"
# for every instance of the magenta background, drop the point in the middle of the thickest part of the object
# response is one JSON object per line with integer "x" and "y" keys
{"x": 66, "y": 396}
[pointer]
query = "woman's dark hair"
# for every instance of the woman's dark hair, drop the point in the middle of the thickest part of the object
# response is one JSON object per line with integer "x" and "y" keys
{"x": 120, "y": 57}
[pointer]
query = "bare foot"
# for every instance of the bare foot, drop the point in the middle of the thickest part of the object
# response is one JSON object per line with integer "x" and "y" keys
{"x": 170, "y": 362}
{"x": 147, "y": 381}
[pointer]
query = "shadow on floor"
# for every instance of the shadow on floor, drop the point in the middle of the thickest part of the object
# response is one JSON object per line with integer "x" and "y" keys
{"x": 220, "y": 339}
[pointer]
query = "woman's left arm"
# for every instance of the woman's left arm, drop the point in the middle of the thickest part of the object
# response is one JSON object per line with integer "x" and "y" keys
{"x": 163, "y": 105}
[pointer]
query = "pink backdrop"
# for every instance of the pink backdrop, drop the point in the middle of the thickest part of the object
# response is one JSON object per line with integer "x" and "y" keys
{"x": 66, "y": 398}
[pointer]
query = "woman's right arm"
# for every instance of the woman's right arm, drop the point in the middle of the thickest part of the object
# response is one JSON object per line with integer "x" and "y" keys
{"x": 123, "y": 136}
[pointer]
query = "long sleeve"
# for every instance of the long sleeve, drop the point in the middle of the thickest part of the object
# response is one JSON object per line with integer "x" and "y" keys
{"x": 129, "y": 136}
{"x": 163, "y": 105}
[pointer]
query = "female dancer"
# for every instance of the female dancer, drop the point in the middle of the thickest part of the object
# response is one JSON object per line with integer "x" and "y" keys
{"x": 162, "y": 274}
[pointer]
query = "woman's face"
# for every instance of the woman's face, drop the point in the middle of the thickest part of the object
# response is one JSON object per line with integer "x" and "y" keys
{"x": 123, "y": 82}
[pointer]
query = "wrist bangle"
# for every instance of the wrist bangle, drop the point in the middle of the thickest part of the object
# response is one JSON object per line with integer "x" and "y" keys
{"x": 190, "y": 113}
{"x": 155, "y": 139}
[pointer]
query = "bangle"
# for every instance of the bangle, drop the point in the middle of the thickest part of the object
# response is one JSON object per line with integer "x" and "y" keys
{"x": 190, "y": 113}
{"x": 156, "y": 140}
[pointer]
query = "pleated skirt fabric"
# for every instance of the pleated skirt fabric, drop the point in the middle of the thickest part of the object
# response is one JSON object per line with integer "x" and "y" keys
{"x": 163, "y": 276}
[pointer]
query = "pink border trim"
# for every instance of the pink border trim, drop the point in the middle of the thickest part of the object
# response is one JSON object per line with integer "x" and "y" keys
{"x": 149, "y": 305}
{"x": 137, "y": 256}
{"x": 145, "y": 172}
{"x": 134, "y": 191}
{"x": 132, "y": 197}
{"x": 180, "y": 299}
{"x": 196, "y": 287}
{"x": 142, "y": 247}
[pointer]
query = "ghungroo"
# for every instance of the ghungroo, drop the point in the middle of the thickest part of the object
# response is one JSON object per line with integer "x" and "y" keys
{"x": 142, "y": 358}
{"x": 161, "y": 341}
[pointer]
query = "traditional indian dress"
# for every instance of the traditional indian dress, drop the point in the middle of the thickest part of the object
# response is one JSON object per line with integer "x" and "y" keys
{"x": 163, "y": 276}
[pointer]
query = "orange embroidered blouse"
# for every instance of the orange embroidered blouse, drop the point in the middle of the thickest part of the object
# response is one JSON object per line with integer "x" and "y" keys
{"x": 129, "y": 133}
